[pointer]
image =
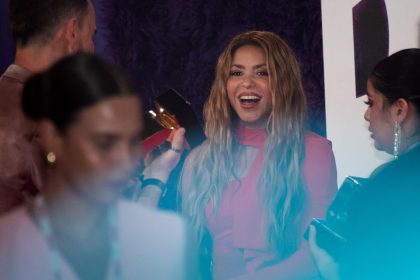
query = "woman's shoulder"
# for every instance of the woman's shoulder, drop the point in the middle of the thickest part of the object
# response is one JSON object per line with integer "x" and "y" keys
{"x": 319, "y": 168}
{"x": 151, "y": 228}
{"x": 12, "y": 220}
{"x": 155, "y": 218}
{"x": 18, "y": 233}
{"x": 405, "y": 168}
{"x": 192, "y": 161}
{"x": 154, "y": 242}
{"x": 315, "y": 139}
{"x": 317, "y": 145}
{"x": 193, "y": 154}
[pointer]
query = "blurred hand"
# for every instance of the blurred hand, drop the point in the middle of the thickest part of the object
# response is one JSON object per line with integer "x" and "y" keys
{"x": 327, "y": 265}
{"x": 162, "y": 166}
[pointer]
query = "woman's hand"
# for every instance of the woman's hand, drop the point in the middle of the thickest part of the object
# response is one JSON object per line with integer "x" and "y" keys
{"x": 162, "y": 166}
{"x": 327, "y": 265}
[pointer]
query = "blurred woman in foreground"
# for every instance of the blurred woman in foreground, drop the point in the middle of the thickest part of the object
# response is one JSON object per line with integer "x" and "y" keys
{"x": 384, "y": 222}
{"x": 90, "y": 124}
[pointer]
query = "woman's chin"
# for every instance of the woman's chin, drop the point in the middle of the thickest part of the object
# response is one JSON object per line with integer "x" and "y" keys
{"x": 378, "y": 146}
{"x": 105, "y": 201}
{"x": 382, "y": 148}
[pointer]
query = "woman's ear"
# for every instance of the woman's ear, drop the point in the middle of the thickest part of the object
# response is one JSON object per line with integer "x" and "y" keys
{"x": 400, "y": 110}
{"x": 50, "y": 138}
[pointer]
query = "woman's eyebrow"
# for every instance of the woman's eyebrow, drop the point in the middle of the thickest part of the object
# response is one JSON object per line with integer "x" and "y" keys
{"x": 254, "y": 67}
{"x": 259, "y": 66}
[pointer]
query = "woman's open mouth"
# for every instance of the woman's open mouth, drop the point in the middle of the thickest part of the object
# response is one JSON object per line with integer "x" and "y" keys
{"x": 249, "y": 101}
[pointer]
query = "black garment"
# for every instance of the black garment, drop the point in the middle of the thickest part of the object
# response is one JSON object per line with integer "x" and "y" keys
{"x": 384, "y": 224}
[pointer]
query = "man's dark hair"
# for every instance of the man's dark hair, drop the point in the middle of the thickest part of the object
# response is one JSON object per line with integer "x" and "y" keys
{"x": 39, "y": 19}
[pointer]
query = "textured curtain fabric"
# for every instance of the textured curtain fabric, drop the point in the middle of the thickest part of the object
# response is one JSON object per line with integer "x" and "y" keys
{"x": 7, "y": 46}
{"x": 174, "y": 44}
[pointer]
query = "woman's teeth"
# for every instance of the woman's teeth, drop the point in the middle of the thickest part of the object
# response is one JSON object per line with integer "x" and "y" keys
{"x": 249, "y": 99}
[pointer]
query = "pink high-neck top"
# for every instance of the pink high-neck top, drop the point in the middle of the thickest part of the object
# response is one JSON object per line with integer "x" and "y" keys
{"x": 238, "y": 226}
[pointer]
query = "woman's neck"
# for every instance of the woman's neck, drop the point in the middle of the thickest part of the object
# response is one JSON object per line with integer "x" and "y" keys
{"x": 251, "y": 136}
{"x": 81, "y": 231}
{"x": 411, "y": 142}
{"x": 69, "y": 213}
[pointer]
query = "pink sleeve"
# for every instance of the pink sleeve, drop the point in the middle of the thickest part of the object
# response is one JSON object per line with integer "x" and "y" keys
{"x": 320, "y": 177}
{"x": 297, "y": 266}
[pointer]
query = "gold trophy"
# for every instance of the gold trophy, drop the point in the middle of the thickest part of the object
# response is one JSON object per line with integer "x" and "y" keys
{"x": 164, "y": 118}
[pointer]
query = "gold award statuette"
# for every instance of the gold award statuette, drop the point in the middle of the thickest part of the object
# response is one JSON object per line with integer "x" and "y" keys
{"x": 163, "y": 118}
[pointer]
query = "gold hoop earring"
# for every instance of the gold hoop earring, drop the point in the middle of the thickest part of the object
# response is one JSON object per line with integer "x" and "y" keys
{"x": 51, "y": 158}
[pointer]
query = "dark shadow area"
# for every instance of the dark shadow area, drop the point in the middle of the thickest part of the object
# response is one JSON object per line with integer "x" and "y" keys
{"x": 371, "y": 39}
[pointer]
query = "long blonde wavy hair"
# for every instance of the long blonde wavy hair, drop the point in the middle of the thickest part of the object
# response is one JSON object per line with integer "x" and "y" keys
{"x": 281, "y": 181}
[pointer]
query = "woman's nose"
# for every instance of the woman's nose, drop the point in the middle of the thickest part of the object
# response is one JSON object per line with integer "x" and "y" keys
{"x": 247, "y": 81}
{"x": 367, "y": 115}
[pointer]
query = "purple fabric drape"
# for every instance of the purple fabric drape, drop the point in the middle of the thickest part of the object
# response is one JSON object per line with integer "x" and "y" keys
{"x": 174, "y": 43}
{"x": 7, "y": 46}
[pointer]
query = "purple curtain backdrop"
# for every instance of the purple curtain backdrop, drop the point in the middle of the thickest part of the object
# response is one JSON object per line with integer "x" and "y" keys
{"x": 174, "y": 43}
{"x": 7, "y": 46}
{"x": 169, "y": 43}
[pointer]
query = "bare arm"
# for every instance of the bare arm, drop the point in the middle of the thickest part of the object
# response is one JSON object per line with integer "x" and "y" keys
{"x": 160, "y": 169}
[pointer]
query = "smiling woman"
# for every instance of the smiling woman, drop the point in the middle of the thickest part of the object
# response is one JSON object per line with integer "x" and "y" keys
{"x": 89, "y": 118}
{"x": 248, "y": 86}
{"x": 260, "y": 177}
